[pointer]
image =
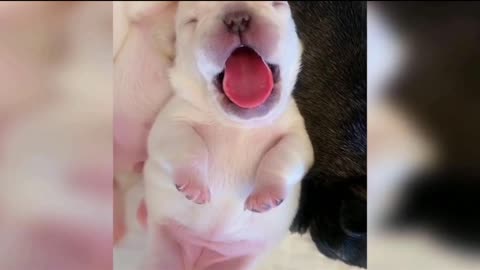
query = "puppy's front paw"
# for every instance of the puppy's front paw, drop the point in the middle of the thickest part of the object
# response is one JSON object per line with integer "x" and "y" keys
{"x": 188, "y": 182}
{"x": 265, "y": 198}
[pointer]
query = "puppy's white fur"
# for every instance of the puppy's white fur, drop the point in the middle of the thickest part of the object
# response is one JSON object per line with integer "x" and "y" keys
{"x": 230, "y": 158}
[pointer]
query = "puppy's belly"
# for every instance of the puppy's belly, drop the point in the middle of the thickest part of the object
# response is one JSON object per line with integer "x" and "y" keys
{"x": 224, "y": 218}
{"x": 222, "y": 226}
{"x": 194, "y": 243}
{"x": 173, "y": 246}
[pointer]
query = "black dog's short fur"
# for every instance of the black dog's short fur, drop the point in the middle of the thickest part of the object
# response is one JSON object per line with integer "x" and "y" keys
{"x": 331, "y": 95}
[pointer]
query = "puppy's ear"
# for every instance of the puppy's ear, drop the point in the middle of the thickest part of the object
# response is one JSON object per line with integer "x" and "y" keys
{"x": 137, "y": 11}
{"x": 165, "y": 32}
{"x": 160, "y": 14}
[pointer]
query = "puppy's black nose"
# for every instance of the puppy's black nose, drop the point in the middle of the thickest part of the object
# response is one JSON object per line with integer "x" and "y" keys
{"x": 237, "y": 22}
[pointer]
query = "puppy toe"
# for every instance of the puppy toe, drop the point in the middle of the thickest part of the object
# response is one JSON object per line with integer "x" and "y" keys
{"x": 203, "y": 197}
{"x": 264, "y": 200}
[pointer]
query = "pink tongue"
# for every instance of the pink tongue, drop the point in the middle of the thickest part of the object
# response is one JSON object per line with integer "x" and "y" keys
{"x": 248, "y": 81}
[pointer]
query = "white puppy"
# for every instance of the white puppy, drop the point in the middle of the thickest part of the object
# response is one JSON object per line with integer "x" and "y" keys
{"x": 229, "y": 149}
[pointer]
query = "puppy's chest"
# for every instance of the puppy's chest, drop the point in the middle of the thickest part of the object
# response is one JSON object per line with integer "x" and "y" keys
{"x": 235, "y": 153}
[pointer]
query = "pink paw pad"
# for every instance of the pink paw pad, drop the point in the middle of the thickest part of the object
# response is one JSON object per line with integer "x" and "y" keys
{"x": 193, "y": 189}
{"x": 264, "y": 199}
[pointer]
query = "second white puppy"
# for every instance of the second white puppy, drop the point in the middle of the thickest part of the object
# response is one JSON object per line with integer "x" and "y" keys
{"x": 228, "y": 151}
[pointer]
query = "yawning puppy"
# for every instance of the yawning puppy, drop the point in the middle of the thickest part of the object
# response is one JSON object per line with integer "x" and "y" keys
{"x": 228, "y": 150}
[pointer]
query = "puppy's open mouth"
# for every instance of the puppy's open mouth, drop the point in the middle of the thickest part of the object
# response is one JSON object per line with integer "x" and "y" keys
{"x": 248, "y": 85}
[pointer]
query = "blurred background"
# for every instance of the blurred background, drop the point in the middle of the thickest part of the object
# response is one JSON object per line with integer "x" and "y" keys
{"x": 55, "y": 135}
{"x": 423, "y": 131}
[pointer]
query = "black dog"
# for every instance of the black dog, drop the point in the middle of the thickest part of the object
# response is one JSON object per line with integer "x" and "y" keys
{"x": 331, "y": 95}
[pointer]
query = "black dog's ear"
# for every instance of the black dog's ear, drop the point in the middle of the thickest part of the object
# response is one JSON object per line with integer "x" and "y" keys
{"x": 335, "y": 213}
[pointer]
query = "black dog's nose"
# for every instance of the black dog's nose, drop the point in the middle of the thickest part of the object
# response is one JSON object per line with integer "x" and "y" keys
{"x": 237, "y": 22}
